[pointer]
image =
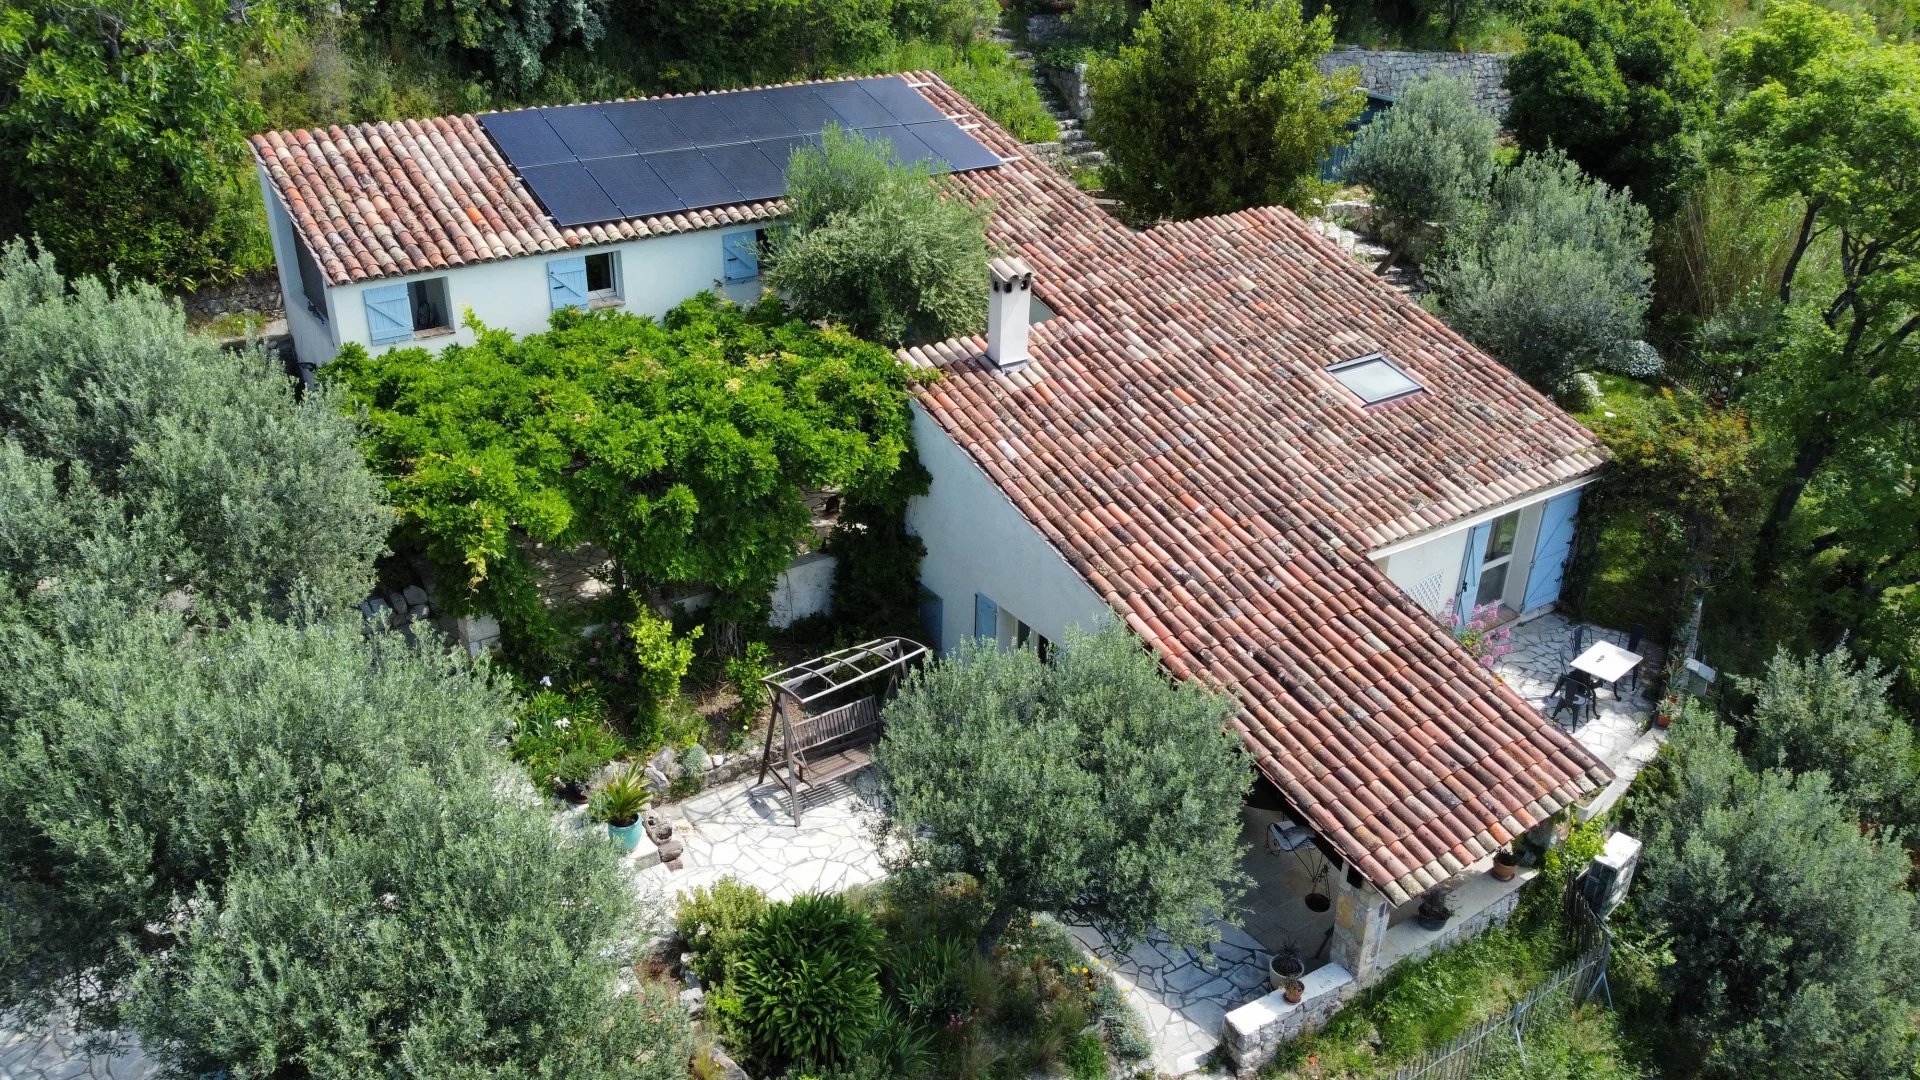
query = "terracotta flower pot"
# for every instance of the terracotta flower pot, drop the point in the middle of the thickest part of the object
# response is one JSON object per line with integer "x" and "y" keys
{"x": 1292, "y": 991}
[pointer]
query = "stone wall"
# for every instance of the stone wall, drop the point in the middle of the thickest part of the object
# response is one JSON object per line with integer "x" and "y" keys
{"x": 1390, "y": 72}
{"x": 1255, "y": 1031}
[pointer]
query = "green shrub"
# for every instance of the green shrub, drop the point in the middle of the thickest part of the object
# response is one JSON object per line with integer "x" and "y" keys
{"x": 1086, "y": 1058}
{"x": 660, "y": 658}
{"x": 986, "y": 74}
{"x": 555, "y": 727}
{"x": 714, "y": 921}
{"x": 807, "y": 983}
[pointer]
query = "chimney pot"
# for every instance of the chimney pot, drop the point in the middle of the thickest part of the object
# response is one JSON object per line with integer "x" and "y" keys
{"x": 1009, "y": 310}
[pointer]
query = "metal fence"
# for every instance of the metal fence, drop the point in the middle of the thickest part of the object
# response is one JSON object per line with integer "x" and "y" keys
{"x": 1578, "y": 981}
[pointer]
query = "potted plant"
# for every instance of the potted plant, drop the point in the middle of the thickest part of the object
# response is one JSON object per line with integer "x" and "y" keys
{"x": 619, "y": 803}
{"x": 1293, "y": 988}
{"x": 1436, "y": 907}
{"x": 572, "y": 773}
{"x": 1286, "y": 965}
{"x": 1505, "y": 864}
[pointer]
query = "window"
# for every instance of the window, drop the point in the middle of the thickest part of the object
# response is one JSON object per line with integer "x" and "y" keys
{"x": 740, "y": 253}
{"x": 428, "y": 299}
{"x": 990, "y": 620}
{"x": 414, "y": 309}
{"x": 1038, "y": 311}
{"x": 603, "y": 282}
{"x": 1497, "y": 560}
{"x": 1374, "y": 378}
{"x": 313, "y": 285}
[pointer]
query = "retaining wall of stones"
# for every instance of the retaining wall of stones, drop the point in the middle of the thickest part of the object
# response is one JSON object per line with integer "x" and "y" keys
{"x": 1390, "y": 72}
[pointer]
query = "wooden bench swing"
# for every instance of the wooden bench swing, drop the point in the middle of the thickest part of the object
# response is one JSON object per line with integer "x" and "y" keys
{"x": 828, "y": 712}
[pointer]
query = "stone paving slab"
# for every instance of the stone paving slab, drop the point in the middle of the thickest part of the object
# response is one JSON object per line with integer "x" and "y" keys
{"x": 1540, "y": 656}
{"x": 56, "y": 1055}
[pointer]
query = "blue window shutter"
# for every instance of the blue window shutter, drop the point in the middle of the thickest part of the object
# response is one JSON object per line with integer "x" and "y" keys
{"x": 1550, "y": 551}
{"x": 567, "y": 282}
{"x": 933, "y": 617}
{"x": 742, "y": 255}
{"x": 986, "y": 617}
{"x": 389, "y": 316}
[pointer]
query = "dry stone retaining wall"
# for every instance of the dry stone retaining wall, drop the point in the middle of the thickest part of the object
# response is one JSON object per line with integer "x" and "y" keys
{"x": 1390, "y": 72}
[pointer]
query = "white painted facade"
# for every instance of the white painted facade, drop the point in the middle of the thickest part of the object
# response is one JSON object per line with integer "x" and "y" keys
{"x": 980, "y": 544}
{"x": 652, "y": 276}
{"x": 1429, "y": 568}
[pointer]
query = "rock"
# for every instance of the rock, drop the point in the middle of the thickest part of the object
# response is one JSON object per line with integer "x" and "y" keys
{"x": 693, "y": 1000}
{"x": 381, "y": 610}
{"x": 657, "y": 828}
{"x": 414, "y": 594}
{"x": 671, "y": 851}
{"x": 657, "y": 779}
{"x": 714, "y": 761}
{"x": 419, "y": 611}
{"x": 397, "y": 601}
{"x": 667, "y": 762}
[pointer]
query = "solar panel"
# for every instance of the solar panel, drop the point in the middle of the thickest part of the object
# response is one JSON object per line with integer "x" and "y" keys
{"x": 693, "y": 178}
{"x": 779, "y": 151}
{"x": 853, "y": 106}
{"x": 569, "y": 194}
{"x": 632, "y": 185}
{"x": 524, "y": 138}
{"x": 907, "y": 149}
{"x": 961, "y": 150}
{"x": 903, "y": 101}
{"x": 586, "y": 131}
{"x": 700, "y": 120}
{"x": 645, "y": 127}
{"x": 748, "y": 170}
{"x": 802, "y": 107}
{"x": 754, "y": 114}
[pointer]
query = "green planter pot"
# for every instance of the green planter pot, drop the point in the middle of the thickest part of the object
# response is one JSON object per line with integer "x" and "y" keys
{"x": 625, "y": 837}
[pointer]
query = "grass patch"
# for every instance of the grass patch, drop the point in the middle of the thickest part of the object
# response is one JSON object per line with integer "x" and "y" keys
{"x": 1425, "y": 1005}
{"x": 1565, "y": 1043}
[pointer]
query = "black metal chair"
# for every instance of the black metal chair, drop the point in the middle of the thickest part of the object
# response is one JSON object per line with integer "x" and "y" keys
{"x": 1570, "y": 694}
{"x": 1576, "y": 643}
{"x": 1636, "y": 634}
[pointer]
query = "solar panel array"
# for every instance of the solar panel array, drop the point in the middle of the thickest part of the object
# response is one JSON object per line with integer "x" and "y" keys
{"x": 627, "y": 159}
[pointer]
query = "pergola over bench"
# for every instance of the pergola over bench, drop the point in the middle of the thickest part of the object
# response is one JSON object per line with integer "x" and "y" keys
{"x": 828, "y": 711}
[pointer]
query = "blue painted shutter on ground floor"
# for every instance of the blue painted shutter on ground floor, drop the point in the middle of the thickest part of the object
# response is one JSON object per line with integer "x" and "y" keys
{"x": 933, "y": 617}
{"x": 742, "y": 255}
{"x": 567, "y": 282}
{"x": 986, "y": 617}
{"x": 1551, "y": 551}
{"x": 389, "y": 317}
{"x": 1470, "y": 568}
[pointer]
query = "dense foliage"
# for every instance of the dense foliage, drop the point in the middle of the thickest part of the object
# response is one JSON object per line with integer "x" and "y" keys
{"x": 1552, "y": 278}
{"x": 884, "y": 249}
{"x": 1831, "y": 714}
{"x": 507, "y": 40}
{"x": 804, "y": 985}
{"x": 1086, "y": 783}
{"x": 1789, "y": 936}
{"x": 1622, "y": 87}
{"x": 120, "y": 133}
{"x": 1215, "y": 106}
{"x": 680, "y": 448}
{"x": 1427, "y": 162}
{"x": 741, "y": 42}
{"x": 141, "y": 460}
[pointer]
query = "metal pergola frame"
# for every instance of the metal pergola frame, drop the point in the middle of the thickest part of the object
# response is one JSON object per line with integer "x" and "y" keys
{"x": 851, "y": 684}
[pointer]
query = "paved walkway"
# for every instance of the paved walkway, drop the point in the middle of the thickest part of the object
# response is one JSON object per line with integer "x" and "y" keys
{"x": 1184, "y": 996}
{"x": 745, "y": 829}
{"x": 1539, "y": 657}
{"x": 55, "y": 1056}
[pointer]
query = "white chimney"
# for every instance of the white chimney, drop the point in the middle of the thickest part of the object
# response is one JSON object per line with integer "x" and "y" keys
{"x": 1009, "y": 308}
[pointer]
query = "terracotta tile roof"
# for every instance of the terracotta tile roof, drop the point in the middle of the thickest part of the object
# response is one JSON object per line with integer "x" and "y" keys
{"x": 1178, "y": 440}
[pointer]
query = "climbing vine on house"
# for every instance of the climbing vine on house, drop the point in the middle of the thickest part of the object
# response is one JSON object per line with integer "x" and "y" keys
{"x": 680, "y": 447}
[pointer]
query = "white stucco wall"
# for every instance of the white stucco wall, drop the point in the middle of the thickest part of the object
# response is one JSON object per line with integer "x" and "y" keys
{"x": 978, "y": 542}
{"x": 805, "y": 588}
{"x": 1429, "y": 571}
{"x": 655, "y": 275}
{"x": 313, "y": 340}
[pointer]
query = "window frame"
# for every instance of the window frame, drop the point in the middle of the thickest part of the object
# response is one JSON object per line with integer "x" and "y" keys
{"x": 1334, "y": 370}
{"x": 428, "y": 287}
{"x": 1503, "y": 563}
{"x": 610, "y": 294}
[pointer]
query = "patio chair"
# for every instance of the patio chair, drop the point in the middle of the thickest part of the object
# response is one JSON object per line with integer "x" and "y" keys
{"x": 1570, "y": 694}
{"x": 1576, "y": 643}
{"x": 1636, "y": 634}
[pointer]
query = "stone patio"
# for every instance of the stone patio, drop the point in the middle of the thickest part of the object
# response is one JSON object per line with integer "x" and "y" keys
{"x": 744, "y": 829}
{"x": 56, "y": 1056}
{"x": 1621, "y": 724}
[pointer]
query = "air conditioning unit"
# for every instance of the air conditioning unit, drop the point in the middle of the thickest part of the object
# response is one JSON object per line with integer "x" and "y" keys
{"x": 1610, "y": 874}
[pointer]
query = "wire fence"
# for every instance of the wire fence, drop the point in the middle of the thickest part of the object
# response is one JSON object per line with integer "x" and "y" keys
{"x": 1499, "y": 1038}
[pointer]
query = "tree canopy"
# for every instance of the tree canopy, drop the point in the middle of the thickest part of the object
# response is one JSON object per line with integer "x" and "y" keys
{"x": 1790, "y": 937}
{"x": 141, "y": 460}
{"x": 1085, "y": 784}
{"x": 1216, "y": 106}
{"x": 1622, "y": 87}
{"x": 121, "y": 133}
{"x": 1552, "y": 278}
{"x": 509, "y": 41}
{"x": 1428, "y": 161}
{"x": 887, "y": 250}
{"x": 681, "y": 448}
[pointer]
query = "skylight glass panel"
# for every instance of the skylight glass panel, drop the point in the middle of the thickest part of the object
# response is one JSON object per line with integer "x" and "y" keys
{"x": 1374, "y": 378}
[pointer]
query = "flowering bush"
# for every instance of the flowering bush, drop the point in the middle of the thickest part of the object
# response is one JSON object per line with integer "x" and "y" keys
{"x": 1481, "y": 633}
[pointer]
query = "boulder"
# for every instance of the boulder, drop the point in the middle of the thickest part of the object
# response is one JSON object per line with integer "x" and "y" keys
{"x": 414, "y": 595}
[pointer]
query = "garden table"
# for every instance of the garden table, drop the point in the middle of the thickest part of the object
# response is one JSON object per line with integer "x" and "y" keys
{"x": 1605, "y": 662}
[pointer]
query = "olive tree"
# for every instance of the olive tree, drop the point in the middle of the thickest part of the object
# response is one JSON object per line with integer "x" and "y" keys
{"x": 1552, "y": 278}
{"x": 889, "y": 251}
{"x": 1791, "y": 936}
{"x": 141, "y": 459}
{"x": 1086, "y": 785}
{"x": 286, "y": 846}
{"x": 1428, "y": 161}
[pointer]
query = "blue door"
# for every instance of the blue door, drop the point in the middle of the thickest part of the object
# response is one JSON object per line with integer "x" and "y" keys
{"x": 1550, "y": 552}
{"x": 1470, "y": 567}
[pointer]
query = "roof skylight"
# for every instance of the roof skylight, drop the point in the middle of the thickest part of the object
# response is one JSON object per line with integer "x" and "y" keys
{"x": 1374, "y": 378}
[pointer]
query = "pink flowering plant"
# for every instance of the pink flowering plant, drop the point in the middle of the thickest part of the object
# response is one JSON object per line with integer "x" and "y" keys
{"x": 1481, "y": 633}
